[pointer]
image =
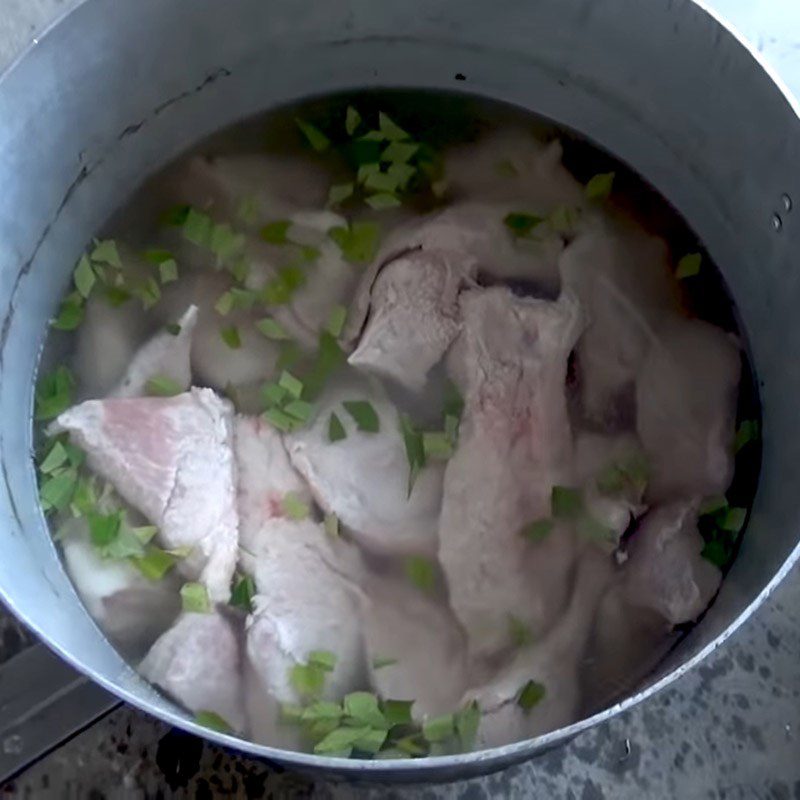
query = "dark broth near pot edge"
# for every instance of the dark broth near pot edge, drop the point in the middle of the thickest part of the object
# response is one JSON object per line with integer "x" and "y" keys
{"x": 416, "y": 661}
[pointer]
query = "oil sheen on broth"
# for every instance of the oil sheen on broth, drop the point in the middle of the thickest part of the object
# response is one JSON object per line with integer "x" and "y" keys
{"x": 396, "y": 424}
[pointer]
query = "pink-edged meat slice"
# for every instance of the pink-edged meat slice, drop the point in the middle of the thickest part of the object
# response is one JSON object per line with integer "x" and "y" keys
{"x": 171, "y": 458}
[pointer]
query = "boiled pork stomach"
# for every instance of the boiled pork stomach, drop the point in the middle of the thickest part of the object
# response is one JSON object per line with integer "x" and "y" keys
{"x": 553, "y": 663}
{"x": 198, "y": 663}
{"x": 415, "y": 647}
{"x": 171, "y": 458}
{"x": 165, "y": 355}
{"x": 363, "y": 478}
{"x": 623, "y": 278}
{"x": 413, "y": 316}
{"x": 129, "y": 608}
{"x": 515, "y": 444}
{"x": 305, "y": 599}
{"x": 686, "y": 407}
{"x": 665, "y": 569}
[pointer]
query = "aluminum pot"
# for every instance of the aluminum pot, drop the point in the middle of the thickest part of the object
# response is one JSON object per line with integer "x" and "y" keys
{"x": 117, "y": 89}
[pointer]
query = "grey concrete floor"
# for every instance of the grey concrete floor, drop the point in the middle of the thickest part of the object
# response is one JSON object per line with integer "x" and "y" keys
{"x": 729, "y": 729}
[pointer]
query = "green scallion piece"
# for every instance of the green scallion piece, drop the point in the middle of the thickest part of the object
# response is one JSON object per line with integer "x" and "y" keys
{"x": 272, "y": 329}
{"x": 689, "y": 266}
{"x": 530, "y": 695}
{"x": 599, "y": 186}
{"x": 230, "y": 335}
{"x": 336, "y": 431}
{"x": 421, "y": 572}
{"x": 194, "y": 598}
{"x": 163, "y": 386}
{"x": 352, "y": 120}
{"x": 315, "y": 137}
{"x": 363, "y": 414}
{"x": 294, "y": 506}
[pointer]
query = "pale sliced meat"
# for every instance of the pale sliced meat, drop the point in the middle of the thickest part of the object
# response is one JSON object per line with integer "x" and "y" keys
{"x": 166, "y": 355}
{"x": 665, "y": 570}
{"x": 198, "y": 663}
{"x": 515, "y": 443}
{"x": 172, "y": 460}
{"x": 623, "y": 279}
{"x": 415, "y": 647}
{"x": 554, "y": 663}
{"x": 106, "y": 342}
{"x": 686, "y": 408}
{"x": 513, "y": 165}
{"x": 363, "y": 479}
{"x": 627, "y": 643}
{"x": 130, "y": 609}
{"x": 413, "y": 316}
{"x": 305, "y": 600}
{"x": 612, "y": 471}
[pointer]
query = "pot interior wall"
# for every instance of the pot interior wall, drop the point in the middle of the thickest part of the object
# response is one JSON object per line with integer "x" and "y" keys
{"x": 110, "y": 95}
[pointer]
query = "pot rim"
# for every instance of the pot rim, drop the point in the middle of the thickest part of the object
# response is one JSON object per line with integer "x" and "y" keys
{"x": 484, "y": 760}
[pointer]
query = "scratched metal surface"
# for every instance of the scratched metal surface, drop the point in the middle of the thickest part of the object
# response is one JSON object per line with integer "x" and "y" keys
{"x": 730, "y": 729}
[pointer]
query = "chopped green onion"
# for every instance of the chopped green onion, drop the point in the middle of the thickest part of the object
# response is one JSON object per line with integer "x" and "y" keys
{"x": 381, "y": 182}
{"x": 148, "y": 292}
{"x": 292, "y": 385}
{"x": 243, "y": 298}
{"x": 713, "y": 504}
{"x": 340, "y": 742}
{"x": 421, "y": 572}
{"x": 231, "y": 337}
{"x": 197, "y": 228}
{"x": 372, "y": 742}
{"x": 363, "y": 709}
{"x": 746, "y": 432}
{"x": 54, "y": 394}
{"x": 280, "y": 420}
{"x": 158, "y": 256}
{"x": 538, "y": 530}
{"x": 155, "y": 563}
{"x": 57, "y": 491}
{"x": 176, "y": 217}
{"x": 339, "y": 192}
{"x": 599, "y": 186}
{"x": 324, "y": 659}
{"x": 273, "y": 395}
{"x": 336, "y": 431}
{"x": 117, "y": 295}
{"x": 415, "y": 449}
{"x": 331, "y": 524}
{"x": 437, "y": 445}
{"x": 163, "y": 386}
{"x": 399, "y": 152}
{"x": 168, "y": 271}
{"x": 275, "y": 232}
{"x": 272, "y": 329}
{"x": 224, "y": 242}
{"x": 299, "y": 410}
{"x": 566, "y": 502}
{"x": 104, "y": 528}
{"x": 381, "y": 663}
{"x": 307, "y": 680}
{"x": 316, "y": 138}
{"x": 194, "y": 598}
{"x": 106, "y": 252}
{"x": 363, "y": 414}
{"x": 322, "y": 710}
{"x": 453, "y": 401}
{"x": 56, "y": 458}
{"x": 630, "y": 473}
{"x": 352, "y": 120}
{"x": 733, "y": 520}
{"x": 70, "y": 314}
{"x": 224, "y": 304}
{"x": 519, "y": 633}
{"x": 411, "y": 746}
{"x": 688, "y": 266}
{"x": 401, "y": 174}
{"x": 717, "y": 553}
{"x": 594, "y": 530}
{"x": 336, "y": 321}
{"x": 145, "y": 533}
{"x": 396, "y": 712}
{"x": 373, "y": 136}
{"x": 84, "y": 500}
{"x": 521, "y": 224}
{"x": 358, "y": 242}
{"x": 212, "y": 721}
{"x": 530, "y": 694}
{"x": 243, "y": 592}
{"x": 384, "y": 200}
{"x": 390, "y": 129}
{"x": 294, "y": 506}
{"x": 291, "y": 713}
{"x": 366, "y": 170}
{"x": 439, "y": 728}
{"x": 84, "y": 277}
{"x": 467, "y": 721}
